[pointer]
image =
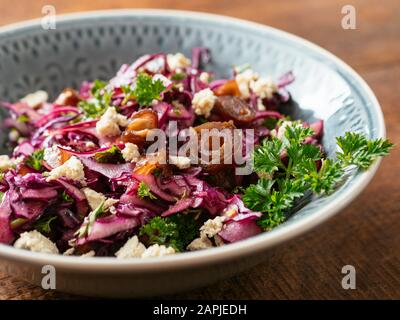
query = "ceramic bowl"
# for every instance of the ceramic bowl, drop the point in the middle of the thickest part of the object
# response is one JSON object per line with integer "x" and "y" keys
{"x": 87, "y": 46}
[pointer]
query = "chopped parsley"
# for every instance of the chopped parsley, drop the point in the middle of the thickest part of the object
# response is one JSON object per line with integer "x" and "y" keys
{"x": 66, "y": 197}
{"x": 179, "y": 76}
{"x": 35, "y": 159}
{"x": 176, "y": 231}
{"x": 283, "y": 179}
{"x": 23, "y": 118}
{"x": 146, "y": 89}
{"x": 143, "y": 191}
{"x": 100, "y": 101}
{"x": 111, "y": 155}
{"x": 43, "y": 225}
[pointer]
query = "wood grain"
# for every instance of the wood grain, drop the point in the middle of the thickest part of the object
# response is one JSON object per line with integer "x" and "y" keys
{"x": 367, "y": 233}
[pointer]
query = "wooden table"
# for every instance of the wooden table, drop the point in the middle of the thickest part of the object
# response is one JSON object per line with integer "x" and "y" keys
{"x": 367, "y": 233}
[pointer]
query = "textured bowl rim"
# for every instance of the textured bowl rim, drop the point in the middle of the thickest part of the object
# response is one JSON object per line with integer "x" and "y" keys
{"x": 243, "y": 248}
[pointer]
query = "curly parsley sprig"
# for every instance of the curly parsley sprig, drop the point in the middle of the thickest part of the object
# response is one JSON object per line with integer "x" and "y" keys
{"x": 288, "y": 168}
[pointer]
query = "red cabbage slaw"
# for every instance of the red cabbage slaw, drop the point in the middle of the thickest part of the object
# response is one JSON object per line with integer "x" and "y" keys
{"x": 65, "y": 180}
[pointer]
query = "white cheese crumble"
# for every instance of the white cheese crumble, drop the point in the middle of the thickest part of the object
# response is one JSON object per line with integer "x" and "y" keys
{"x": 263, "y": 88}
{"x": 90, "y": 253}
{"x": 131, "y": 152}
{"x": 209, "y": 229}
{"x": 212, "y": 226}
{"x": 110, "y": 122}
{"x": 13, "y": 135}
{"x": 280, "y": 134}
{"x": 199, "y": 244}
{"x": 6, "y": 163}
{"x": 132, "y": 248}
{"x": 35, "y": 99}
{"x": 158, "y": 251}
{"x": 35, "y": 241}
{"x": 243, "y": 81}
{"x": 204, "y": 77}
{"x": 52, "y": 156}
{"x": 178, "y": 61}
{"x": 165, "y": 81}
{"x": 95, "y": 198}
{"x": 203, "y": 102}
{"x": 180, "y": 161}
{"x": 71, "y": 169}
{"x": 69, "y": 252}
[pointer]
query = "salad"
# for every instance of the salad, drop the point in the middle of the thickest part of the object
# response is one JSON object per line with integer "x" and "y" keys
{"x": 163, "y": 158}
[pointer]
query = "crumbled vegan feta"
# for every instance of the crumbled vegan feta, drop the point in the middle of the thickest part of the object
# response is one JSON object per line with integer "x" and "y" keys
{"x": 158, "y": 251}
{"x": 219, "y": 242}
{"x": 69, "y": 252}
{"x": 180, "y": 161}
{"x": 13, "y": 135}
{"x": 35, "y": 241}
{"x": 35, "y": 99}
{"x": 90, "y": 253}
{"x": 204, "y": 77}
{"x": 131, "y": 152}
{"x": 203, "y": 102}
{"x": 243, "y": 81}
{"x": 71, "y": 169}
{"x": 110, "y": 123}
{"x": 6, "y": 163}
{"x": 95, "y": 198}
{"x": 263, "y": 88}
{"x": 212, "y": 226}
{"x": 178, "y": 61}
{"x": 199, "y": 244}
{"x": 52, "y": 156}
{"x": 280, "y": 134}
{"x": 209, "y": 229}
{"x": 132, "y": 248}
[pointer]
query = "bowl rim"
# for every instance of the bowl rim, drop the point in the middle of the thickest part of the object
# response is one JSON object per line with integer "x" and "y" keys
{"x": 242, "y": 248}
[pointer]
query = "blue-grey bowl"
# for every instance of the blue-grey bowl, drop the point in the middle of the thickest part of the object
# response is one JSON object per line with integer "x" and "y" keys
{"x": 87, "y": 46}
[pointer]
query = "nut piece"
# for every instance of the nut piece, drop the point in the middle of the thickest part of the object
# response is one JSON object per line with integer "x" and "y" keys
{"x": 69, "y": 97}
{"x": 142, "y": 122}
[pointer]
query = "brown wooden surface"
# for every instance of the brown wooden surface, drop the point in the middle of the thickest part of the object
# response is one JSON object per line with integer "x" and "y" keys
{"x": 367, "y": 233}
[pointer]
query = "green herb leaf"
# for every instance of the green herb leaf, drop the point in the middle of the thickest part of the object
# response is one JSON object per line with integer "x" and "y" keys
{"x": 16, "y": 223}
{"x": 144, "y": 191}
{"x": 43, "y": 225}
{"x": 101, "y": 98}
{"x": 273, "y": 198}
{"x": 147, "y": 90}
{"x": 176, "y": 231}
{"x": 35, "y": 159}
{"x": 325, "y": 179}
{"x": 178, "y": 76}
{"x": 283, "y": 179}
{"x": 111, "y": 155}
{"x": 66, "y": 197}
{"x": 357, "y": 150}
{"x": 267, "y": 157}
{"x": 23, "y": 118}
